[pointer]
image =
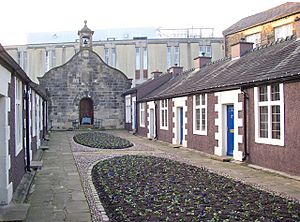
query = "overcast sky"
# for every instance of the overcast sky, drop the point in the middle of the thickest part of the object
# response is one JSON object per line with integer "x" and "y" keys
{"x": 19, "y": 17}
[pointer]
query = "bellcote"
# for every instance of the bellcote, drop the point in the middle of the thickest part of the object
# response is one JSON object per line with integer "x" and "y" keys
{"x": 86, "y": 37}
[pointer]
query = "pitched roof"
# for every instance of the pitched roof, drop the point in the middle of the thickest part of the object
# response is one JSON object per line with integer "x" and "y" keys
{"x": 277, "y": 12}
{"x": 275, "y": 62}
{"x": 150, "y": 85}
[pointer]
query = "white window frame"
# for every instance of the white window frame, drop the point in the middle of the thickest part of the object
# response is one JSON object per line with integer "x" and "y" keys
{"x": 283, "y": 31}
{"x": 269, "y": 104}
{"x": 201, "y": 107}
{"x": 206, "y": 49}
{"x": 142, "y": 114}
{"x": 254, "y": 38}
{"x": 18, "y": 116}
{"x": 164, "y": 112}
{"x": 128, "y": 109}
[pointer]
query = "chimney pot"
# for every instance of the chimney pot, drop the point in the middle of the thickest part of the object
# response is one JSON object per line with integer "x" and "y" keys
{"x": 201, "y": 61}
{"x": 175, "y": 70}
{"x": 156, "y": 73}
{"x": 241, "y": 48}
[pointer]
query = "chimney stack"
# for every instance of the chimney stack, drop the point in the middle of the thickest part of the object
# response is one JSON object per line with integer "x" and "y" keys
{"x": 175, "y": 70}
{"x": 156, "y": 73}
{"x": 297, "y": 27}
{"x": 201, "y": 61}
{"x": 241, "y": 48}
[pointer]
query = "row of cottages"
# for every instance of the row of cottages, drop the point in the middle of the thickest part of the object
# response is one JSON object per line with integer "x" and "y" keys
{"x": 23, "y": 124}
{"x": 244, "y": 106}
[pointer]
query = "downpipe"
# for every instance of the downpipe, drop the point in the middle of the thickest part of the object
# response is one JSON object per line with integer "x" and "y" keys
{"x": 246, "y": 97}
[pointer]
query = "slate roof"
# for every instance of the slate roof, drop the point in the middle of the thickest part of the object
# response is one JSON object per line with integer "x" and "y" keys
{"x": 280, "y": 11}
{"x": 279, "y": 61}
{"x": 150, "y": 85}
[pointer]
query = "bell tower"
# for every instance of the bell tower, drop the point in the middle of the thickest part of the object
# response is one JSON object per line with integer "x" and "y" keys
{"x": 86, "y": 37}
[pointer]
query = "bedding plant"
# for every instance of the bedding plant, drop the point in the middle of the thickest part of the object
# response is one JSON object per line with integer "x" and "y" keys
{"x": 101, "y": 140}
{"x": 148, "y": 188}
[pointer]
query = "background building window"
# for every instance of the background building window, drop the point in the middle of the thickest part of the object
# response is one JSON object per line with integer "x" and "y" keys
{"x": 106, "y": 55}
{"x": 164, "y": 114}
{"x": 50, "y": 59}
{"x": 137, "y": 63}
{"x": 255, "y": 38}
{"x": 110, "y": 56}
{"x": 283, "y": 31}
{"x": 113, "y": 57}
{"x": 145, "y": 63}
{"x": 22, "y": 60}
{"x": 173, "y": 56}
{"x": 200, "y": 114}
{"x": 176, "y": 55}
{"x": 205, "y": 50}
{"x": 169, "y": 58}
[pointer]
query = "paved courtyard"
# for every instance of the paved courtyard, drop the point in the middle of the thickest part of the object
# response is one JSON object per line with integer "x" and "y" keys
{"x": 63, "y": 191}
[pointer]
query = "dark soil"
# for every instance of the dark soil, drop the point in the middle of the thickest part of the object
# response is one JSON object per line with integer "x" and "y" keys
{"x": 101, "y": 140}
{"x": 139, "y": 188}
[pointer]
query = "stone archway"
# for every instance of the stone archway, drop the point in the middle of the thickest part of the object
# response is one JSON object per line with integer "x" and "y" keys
{"x": 86, "y": 111}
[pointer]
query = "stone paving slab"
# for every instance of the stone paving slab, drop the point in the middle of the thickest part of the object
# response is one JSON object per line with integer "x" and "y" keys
{"x": 57, "y": 193}
{"x": 66, "y": 198}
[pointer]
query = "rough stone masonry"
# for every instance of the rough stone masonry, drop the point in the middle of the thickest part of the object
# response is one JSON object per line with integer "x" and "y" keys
{"x": 85, "y": 76}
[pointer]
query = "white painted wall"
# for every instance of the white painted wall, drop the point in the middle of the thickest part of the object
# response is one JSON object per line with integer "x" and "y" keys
{"x": 179, "y": 102}
{"x": 224, "y": 99}
{"x": 6, "y": 188}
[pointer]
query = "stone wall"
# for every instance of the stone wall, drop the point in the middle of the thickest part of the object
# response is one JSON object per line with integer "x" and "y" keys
{"x": 85, "y": 75}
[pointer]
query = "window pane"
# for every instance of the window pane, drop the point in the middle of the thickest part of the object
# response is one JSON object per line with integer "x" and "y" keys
{"x": 166, "y": 118}
{"x": 202, "y": 99}
{"x": 145, "y": 60}
{"x": 163, "y": 117}
{"x": 176, "y": 55}
{"x": 275, "y": 92}
{"x": 203, "y": 119}
{"x": 276, "y": 122}
{"x": 263, "y": 93}
{"x": 197, "y": 119}
{"x": 113, "y": 57}
{"x": 137, "y": 59}
{"x": 106, "y": 56}
{"x": 197, "y": 100}
{"x": 169, "y": 62}
{"x": 263, "y": 122}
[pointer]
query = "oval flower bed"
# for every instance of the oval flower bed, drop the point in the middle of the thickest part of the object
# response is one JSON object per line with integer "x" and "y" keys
{"x": 101, "y": 140}
{"x": 138, "y": 188}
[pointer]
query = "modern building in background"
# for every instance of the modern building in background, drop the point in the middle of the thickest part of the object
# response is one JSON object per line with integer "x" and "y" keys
{"x": 136, "y": 52}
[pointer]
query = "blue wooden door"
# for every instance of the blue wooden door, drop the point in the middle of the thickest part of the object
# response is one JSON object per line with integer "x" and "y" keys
{"x": 180, "y": 125}
{"x": 230, "y": 130}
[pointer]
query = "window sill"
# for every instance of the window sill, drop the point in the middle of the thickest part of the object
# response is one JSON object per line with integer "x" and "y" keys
{"x": 199, "y": 132}
{"x": 273, "y": 142}
{"x": 163, "y": 128}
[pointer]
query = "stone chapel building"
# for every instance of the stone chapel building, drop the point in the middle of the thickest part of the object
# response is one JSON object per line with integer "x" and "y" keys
{"x": 85, "y": 90}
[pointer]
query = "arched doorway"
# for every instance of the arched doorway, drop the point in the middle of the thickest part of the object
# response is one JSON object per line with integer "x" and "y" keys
{"x": 86, "y": 111}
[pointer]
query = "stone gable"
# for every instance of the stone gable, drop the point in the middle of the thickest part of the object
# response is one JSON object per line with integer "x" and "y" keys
{"x": 85, "y": 75}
